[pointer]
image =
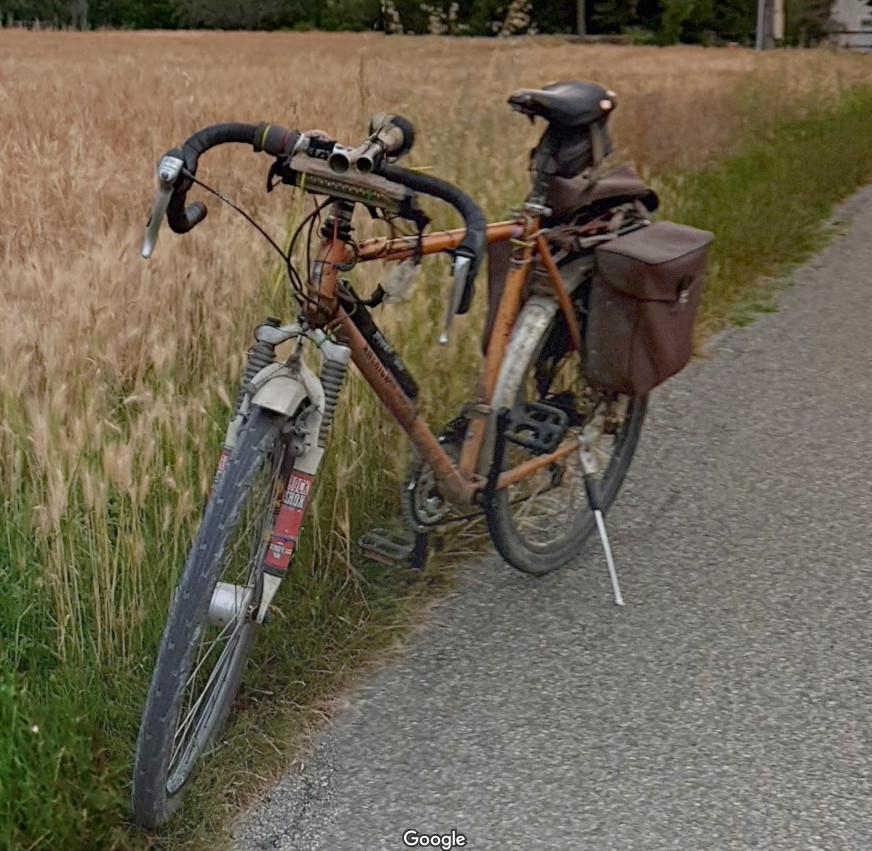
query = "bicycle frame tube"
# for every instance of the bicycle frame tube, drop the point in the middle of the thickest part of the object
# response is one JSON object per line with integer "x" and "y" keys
{"x": 461, "y": 482}
{"x": 507, "y": 311}
{"x": 394, "y": 398}
{"x": 560, "y": 292}
{"x": 402, "y": 248}
{"x": 405, "y": 247}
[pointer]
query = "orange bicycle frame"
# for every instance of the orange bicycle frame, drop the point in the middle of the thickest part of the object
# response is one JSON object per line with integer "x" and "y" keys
{"x": 460, "y": 482}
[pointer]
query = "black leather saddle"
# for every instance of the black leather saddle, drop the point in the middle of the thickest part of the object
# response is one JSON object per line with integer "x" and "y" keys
{"x": 570, "y": 104}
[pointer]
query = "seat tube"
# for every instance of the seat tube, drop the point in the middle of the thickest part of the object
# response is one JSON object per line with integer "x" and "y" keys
{"x": 507, "y": 312}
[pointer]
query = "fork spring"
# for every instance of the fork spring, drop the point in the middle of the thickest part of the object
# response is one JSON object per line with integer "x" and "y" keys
{"x": 261, "y": 354}
{"x": 332, "y": 378}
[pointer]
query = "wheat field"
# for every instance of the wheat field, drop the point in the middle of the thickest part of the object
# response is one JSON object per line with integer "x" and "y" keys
{"x": 116, "y": 374}
{"x": 104, "y": 357}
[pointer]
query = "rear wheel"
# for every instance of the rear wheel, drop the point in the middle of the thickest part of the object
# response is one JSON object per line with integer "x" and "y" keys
{"x": 539, "y": 524}
{"x": 212, "y": 624}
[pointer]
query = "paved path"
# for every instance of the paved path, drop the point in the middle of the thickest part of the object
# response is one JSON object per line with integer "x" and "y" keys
{"x": 728, "y": 706}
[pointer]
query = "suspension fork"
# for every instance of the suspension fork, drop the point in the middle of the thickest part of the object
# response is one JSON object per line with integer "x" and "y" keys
{"x": 297, "y": 485}
{"x": 295, "y": 499}
{"x": 284, "y": 388}
{"x": 263, "y": 353}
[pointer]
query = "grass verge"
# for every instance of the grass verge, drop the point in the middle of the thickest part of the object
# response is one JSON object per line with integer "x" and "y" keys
{"x": 770, "y": 203}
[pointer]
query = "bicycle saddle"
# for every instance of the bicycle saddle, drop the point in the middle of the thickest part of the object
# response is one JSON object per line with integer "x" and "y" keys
{"x": 570, "y": 104}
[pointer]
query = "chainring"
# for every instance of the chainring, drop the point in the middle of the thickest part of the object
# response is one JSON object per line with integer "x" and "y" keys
{"x": 426, "y": 507}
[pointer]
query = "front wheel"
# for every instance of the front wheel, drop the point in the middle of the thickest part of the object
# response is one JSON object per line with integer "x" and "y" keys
{"x": 211, "y": 624}
{"x": 539, "y": 524}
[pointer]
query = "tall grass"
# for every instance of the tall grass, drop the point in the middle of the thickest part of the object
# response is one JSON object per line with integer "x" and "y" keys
{"x": 116, "y": 375}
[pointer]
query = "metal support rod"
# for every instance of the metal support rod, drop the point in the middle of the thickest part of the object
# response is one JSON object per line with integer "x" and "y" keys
{"x": 588, "y": 466}
{"x": 613, "y": 575}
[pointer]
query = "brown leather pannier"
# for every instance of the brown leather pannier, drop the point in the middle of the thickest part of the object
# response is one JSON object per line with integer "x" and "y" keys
{"x": 643, "y": 302}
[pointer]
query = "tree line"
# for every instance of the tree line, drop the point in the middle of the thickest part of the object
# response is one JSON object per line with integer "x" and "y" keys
{"x": 642, "y": 21}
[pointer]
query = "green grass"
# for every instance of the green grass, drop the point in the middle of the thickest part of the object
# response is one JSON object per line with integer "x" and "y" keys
{"x": 769, "y": 204}
{"x": 74, "y": 678}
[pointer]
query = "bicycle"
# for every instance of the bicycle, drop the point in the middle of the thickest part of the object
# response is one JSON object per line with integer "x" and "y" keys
{"x": 542, "y": 450}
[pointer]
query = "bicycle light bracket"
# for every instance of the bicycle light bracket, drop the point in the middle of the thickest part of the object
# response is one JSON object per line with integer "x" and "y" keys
{"x": 314, "y": 174}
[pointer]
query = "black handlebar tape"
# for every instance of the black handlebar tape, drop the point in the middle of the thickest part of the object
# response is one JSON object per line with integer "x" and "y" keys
{"x": 275, "y": 140}
{"x": 179, "y": 217}
{"x": 262, "y": 137}
{"x": 209, "y": 137}
{"x": 474, "y": 241}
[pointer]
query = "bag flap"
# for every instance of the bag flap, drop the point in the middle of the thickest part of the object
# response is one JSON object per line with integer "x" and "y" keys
{"x": 657, "y": 262}
{"x": 658, "y": 243}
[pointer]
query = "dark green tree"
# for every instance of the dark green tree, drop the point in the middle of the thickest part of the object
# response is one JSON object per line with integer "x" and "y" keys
{"x": 614, "y": 16}
{"x": 227, "y": 14}
{"x": 808, "y": 22}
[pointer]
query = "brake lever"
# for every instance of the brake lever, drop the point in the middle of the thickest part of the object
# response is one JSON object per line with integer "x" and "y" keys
{"x": 461, "y": 273}
{"x": 169, "y": 170}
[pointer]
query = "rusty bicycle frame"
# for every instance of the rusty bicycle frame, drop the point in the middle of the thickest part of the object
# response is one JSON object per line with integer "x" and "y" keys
{"x": 463, "y": 482}
{"x": 277, "y": 438}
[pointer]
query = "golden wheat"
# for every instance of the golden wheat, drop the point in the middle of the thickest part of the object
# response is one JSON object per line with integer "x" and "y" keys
{"x": 110, "y": 367}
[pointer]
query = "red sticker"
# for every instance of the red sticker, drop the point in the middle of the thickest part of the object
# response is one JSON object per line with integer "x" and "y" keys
{"x": 288, "y": 523}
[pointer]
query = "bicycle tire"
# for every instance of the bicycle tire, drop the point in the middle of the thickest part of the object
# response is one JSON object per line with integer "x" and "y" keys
{"x": 539, "y": 524}
{"x": 163, "y": 763}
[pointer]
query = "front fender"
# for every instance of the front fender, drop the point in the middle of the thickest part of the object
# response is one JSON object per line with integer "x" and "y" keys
{"x": 282, "y": 394}
{"x": 278, "y": 388}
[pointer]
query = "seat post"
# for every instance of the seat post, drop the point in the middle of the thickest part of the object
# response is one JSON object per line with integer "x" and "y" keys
{"x": 542, "y": 166}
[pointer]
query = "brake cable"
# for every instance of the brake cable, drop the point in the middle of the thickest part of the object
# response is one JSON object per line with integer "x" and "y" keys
{"x": 294, "y": 276}
{"x": 241, "y": 212}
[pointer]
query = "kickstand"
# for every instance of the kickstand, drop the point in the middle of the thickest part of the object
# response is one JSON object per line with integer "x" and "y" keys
{"x": 590, "y": 484}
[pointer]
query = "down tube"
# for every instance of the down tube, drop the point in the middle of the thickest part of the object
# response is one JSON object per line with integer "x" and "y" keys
{"x": 392, "y": 396}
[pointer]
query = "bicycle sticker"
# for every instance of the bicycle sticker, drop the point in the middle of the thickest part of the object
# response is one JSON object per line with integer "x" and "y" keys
{"x": 297, "y": 492}
{"x": 222, "y": 466}
{"x": 280, "y": 551}
{"x": 287, "y": 527}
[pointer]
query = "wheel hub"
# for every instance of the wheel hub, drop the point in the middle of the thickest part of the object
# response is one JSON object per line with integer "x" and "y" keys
{"x": 228, "y": 603}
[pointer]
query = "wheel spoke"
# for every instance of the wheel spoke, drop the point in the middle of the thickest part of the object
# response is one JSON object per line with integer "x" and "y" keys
{"x": 241, "y": 558}
{"x": 208, "y": 637}
{"x": 206, "y": 691}
{"x": 539, "y": 523}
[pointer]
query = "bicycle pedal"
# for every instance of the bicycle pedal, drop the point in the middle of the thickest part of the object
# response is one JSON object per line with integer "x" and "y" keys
{"x": 537, "y": 426}
{"x": 396, "y": 549}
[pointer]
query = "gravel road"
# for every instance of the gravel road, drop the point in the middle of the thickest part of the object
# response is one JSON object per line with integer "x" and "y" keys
{"x": 727, "y": 706}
